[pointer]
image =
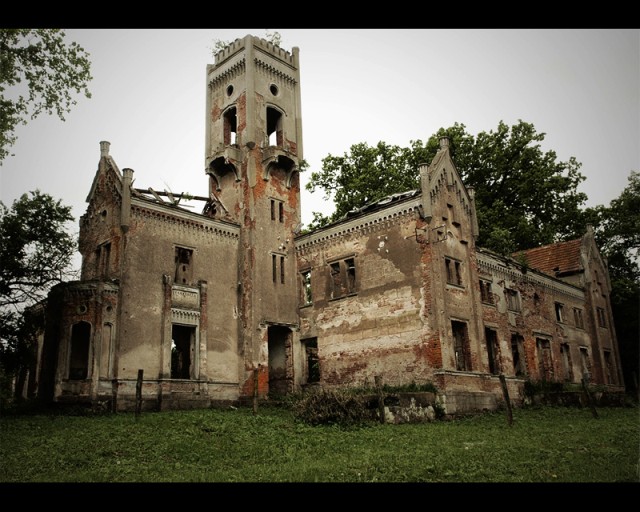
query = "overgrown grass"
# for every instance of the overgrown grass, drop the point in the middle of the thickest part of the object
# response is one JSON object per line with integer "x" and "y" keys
{"x": 545, "y": 444}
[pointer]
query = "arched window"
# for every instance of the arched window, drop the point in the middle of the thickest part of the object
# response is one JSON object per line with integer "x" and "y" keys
{"x": 275, "y": 131}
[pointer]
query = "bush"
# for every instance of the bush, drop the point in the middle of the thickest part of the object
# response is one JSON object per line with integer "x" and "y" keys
{"x": 333, "y": 407}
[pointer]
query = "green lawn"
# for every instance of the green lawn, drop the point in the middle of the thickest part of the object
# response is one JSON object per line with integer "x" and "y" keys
{"x": 544, "y": 444}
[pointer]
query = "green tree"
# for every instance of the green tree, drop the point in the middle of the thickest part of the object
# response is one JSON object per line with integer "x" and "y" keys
{"x": 36, "y": 251}
{"x": 525, "y": 197}
{"x": 39, "y": 72}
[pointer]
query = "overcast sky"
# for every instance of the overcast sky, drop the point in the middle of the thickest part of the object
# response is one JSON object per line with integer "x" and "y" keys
{"x": 580, "y": 87}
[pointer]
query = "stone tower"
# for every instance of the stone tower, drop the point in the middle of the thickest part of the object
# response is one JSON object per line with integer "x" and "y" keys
{"x": 253, "y": 151}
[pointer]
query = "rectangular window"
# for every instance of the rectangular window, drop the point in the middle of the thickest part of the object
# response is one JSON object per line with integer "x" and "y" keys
{"x": 493, "y": 350}
{"x": 184, "y": 265}
{"x": 577, "y": 317}
{"x": 305, "y": 278}
{"x": 461, "y": 345}
{"x": 454, "y": 275}
{"x": 565, "y": 352}
{"x": 103, "y": 259}
{"x": 310, "y": 346}
{"x": 282, "y": 269}
{"x": 273, "y": 210}
{"x": 485, "y": 292}
{"x": 274, "y": 269}
{"x": 280, "y": 211}
{"x": 517, "y": 351}
{"x": 342, "y": 277}
{"x": 608, "y": 368}
{"x": 545, "y": 363}
{"x": 602, "y": 321}
{"x": 513, "y": 300}
{"x": 279, "y": 206}
{"x": 586, "y": 363}
{"x": 559, "y": 312}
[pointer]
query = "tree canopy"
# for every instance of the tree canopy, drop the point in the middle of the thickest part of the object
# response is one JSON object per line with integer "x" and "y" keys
{"x": 39, "y": 72}
{"x": 35, "y": 249}
{"x": 525, "y": 197}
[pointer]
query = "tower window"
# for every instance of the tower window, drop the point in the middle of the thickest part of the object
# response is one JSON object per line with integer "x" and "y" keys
{"x": 274, "y": 89}
{"x": 602, "y": 322}
{"x": 485, "y": 292}
{"x": 275, "y": 132}
{"x": 278, "y": 206}
{"x": 230, "y": 125}
{"x": 229, "y": 90}
{"x": 454, "y": 275}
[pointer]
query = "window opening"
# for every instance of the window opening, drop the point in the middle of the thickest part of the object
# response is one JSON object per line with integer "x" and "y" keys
{"x": 79, "y": 357}
{"x": 586, "y": 363}
{"x": 183, "y": 261}
{"x": 577, "y": 316}
{"x": 454, "y": 275}
{"x": 230, "y": 126}
{"x": 602, "y": 322}
{"x": 274, "y": 127}
{"x": 493, "y": 350}
{"x": 608, "y": 366}
{"x": 517, "y": 351}
{"x": 565, "y": 352}
{"x": 282, "y": 269}
{"x": 306, "y": 287}
{"x": 545, "y": 364}
{"x": 513, "y": 301}
{"x": 313, "y": 361}
{"x": 559, "y": 312}
{"x": 273, "y": 267}
{"x": 461, "y": 345}
{"x": 485, "y": 292}
{"x": 182, "y": 351}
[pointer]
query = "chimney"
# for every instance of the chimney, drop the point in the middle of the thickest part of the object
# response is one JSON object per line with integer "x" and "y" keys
{"x": 104, "y": 148}
{"x": 444, "y": 142}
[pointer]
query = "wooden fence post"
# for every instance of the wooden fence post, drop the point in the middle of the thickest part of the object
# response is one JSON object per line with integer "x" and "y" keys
{"x": 139, "y": 393}
{"x": 505, "y": 392}
{"x": 378, "y": 381}
{"x": 255, "y": 390}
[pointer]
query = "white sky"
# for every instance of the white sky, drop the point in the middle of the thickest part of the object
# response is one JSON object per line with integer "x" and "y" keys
{"x": 580, "y": 87}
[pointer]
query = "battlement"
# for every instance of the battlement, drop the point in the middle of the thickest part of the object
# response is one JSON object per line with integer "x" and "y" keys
{"x": 258, "y": 42}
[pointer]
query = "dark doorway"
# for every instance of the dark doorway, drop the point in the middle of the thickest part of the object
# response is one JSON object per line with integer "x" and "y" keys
{"x": 280, "y": 367}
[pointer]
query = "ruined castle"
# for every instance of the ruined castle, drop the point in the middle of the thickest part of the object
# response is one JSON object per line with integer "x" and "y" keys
{"x": 233, "y": 302}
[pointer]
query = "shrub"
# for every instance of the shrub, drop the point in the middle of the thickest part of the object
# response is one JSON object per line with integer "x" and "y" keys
{"x": 333, "y": 407}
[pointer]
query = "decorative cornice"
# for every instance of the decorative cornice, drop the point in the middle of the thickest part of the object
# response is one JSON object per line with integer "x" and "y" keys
{"x": 184, "y": 219}
{"x": 231, "y": 72}
{"x": 265, "y": 66}
{"x": 189, "y": 317}
{"x": 494, "y": 266}
{"x": 365, "y": 224}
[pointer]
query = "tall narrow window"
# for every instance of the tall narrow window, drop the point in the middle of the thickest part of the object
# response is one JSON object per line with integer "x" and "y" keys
{"x": 305, "y": 278}
{"x": 559, "y": 312}
{"x": 273, "y": 209}
{"x": 461, "y": 345}
{"x": 79, "y": 353}
{"x": 275, "y": 133}
{"x": 103, "y": 260}
{"x": 602, "y": 321}
{"x": 350, "y": 266}
{"x": 230, "y": 126}
{"x": 454, "y": 275}
{"x": 280, "y": 211}
{"x": 274, "y": 267}
{"x": 282, "y": 269}
{"x": 565, "y": 352}
{"x": 545, "y": 363}
{"x": 577, "y": 317}
{"x": 493, "y": 350}
{"x": 608, "y": 368}
{"x": 513, "y": 300}
{"x": 184, "y": 267}
{"x": 313, "y": 362}
{"x": 517, "y": 352}
{"x": 586, "y": 363}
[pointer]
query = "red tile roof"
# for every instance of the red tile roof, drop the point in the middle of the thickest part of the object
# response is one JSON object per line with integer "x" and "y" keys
{"x": 554, "y": 259}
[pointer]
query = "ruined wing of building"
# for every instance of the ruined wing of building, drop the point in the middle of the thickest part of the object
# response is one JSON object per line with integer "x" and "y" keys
{"x": 229, "y": 303}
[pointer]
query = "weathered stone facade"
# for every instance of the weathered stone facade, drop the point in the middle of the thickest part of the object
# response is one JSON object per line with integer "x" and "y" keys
{"x": 232, "y": 303}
